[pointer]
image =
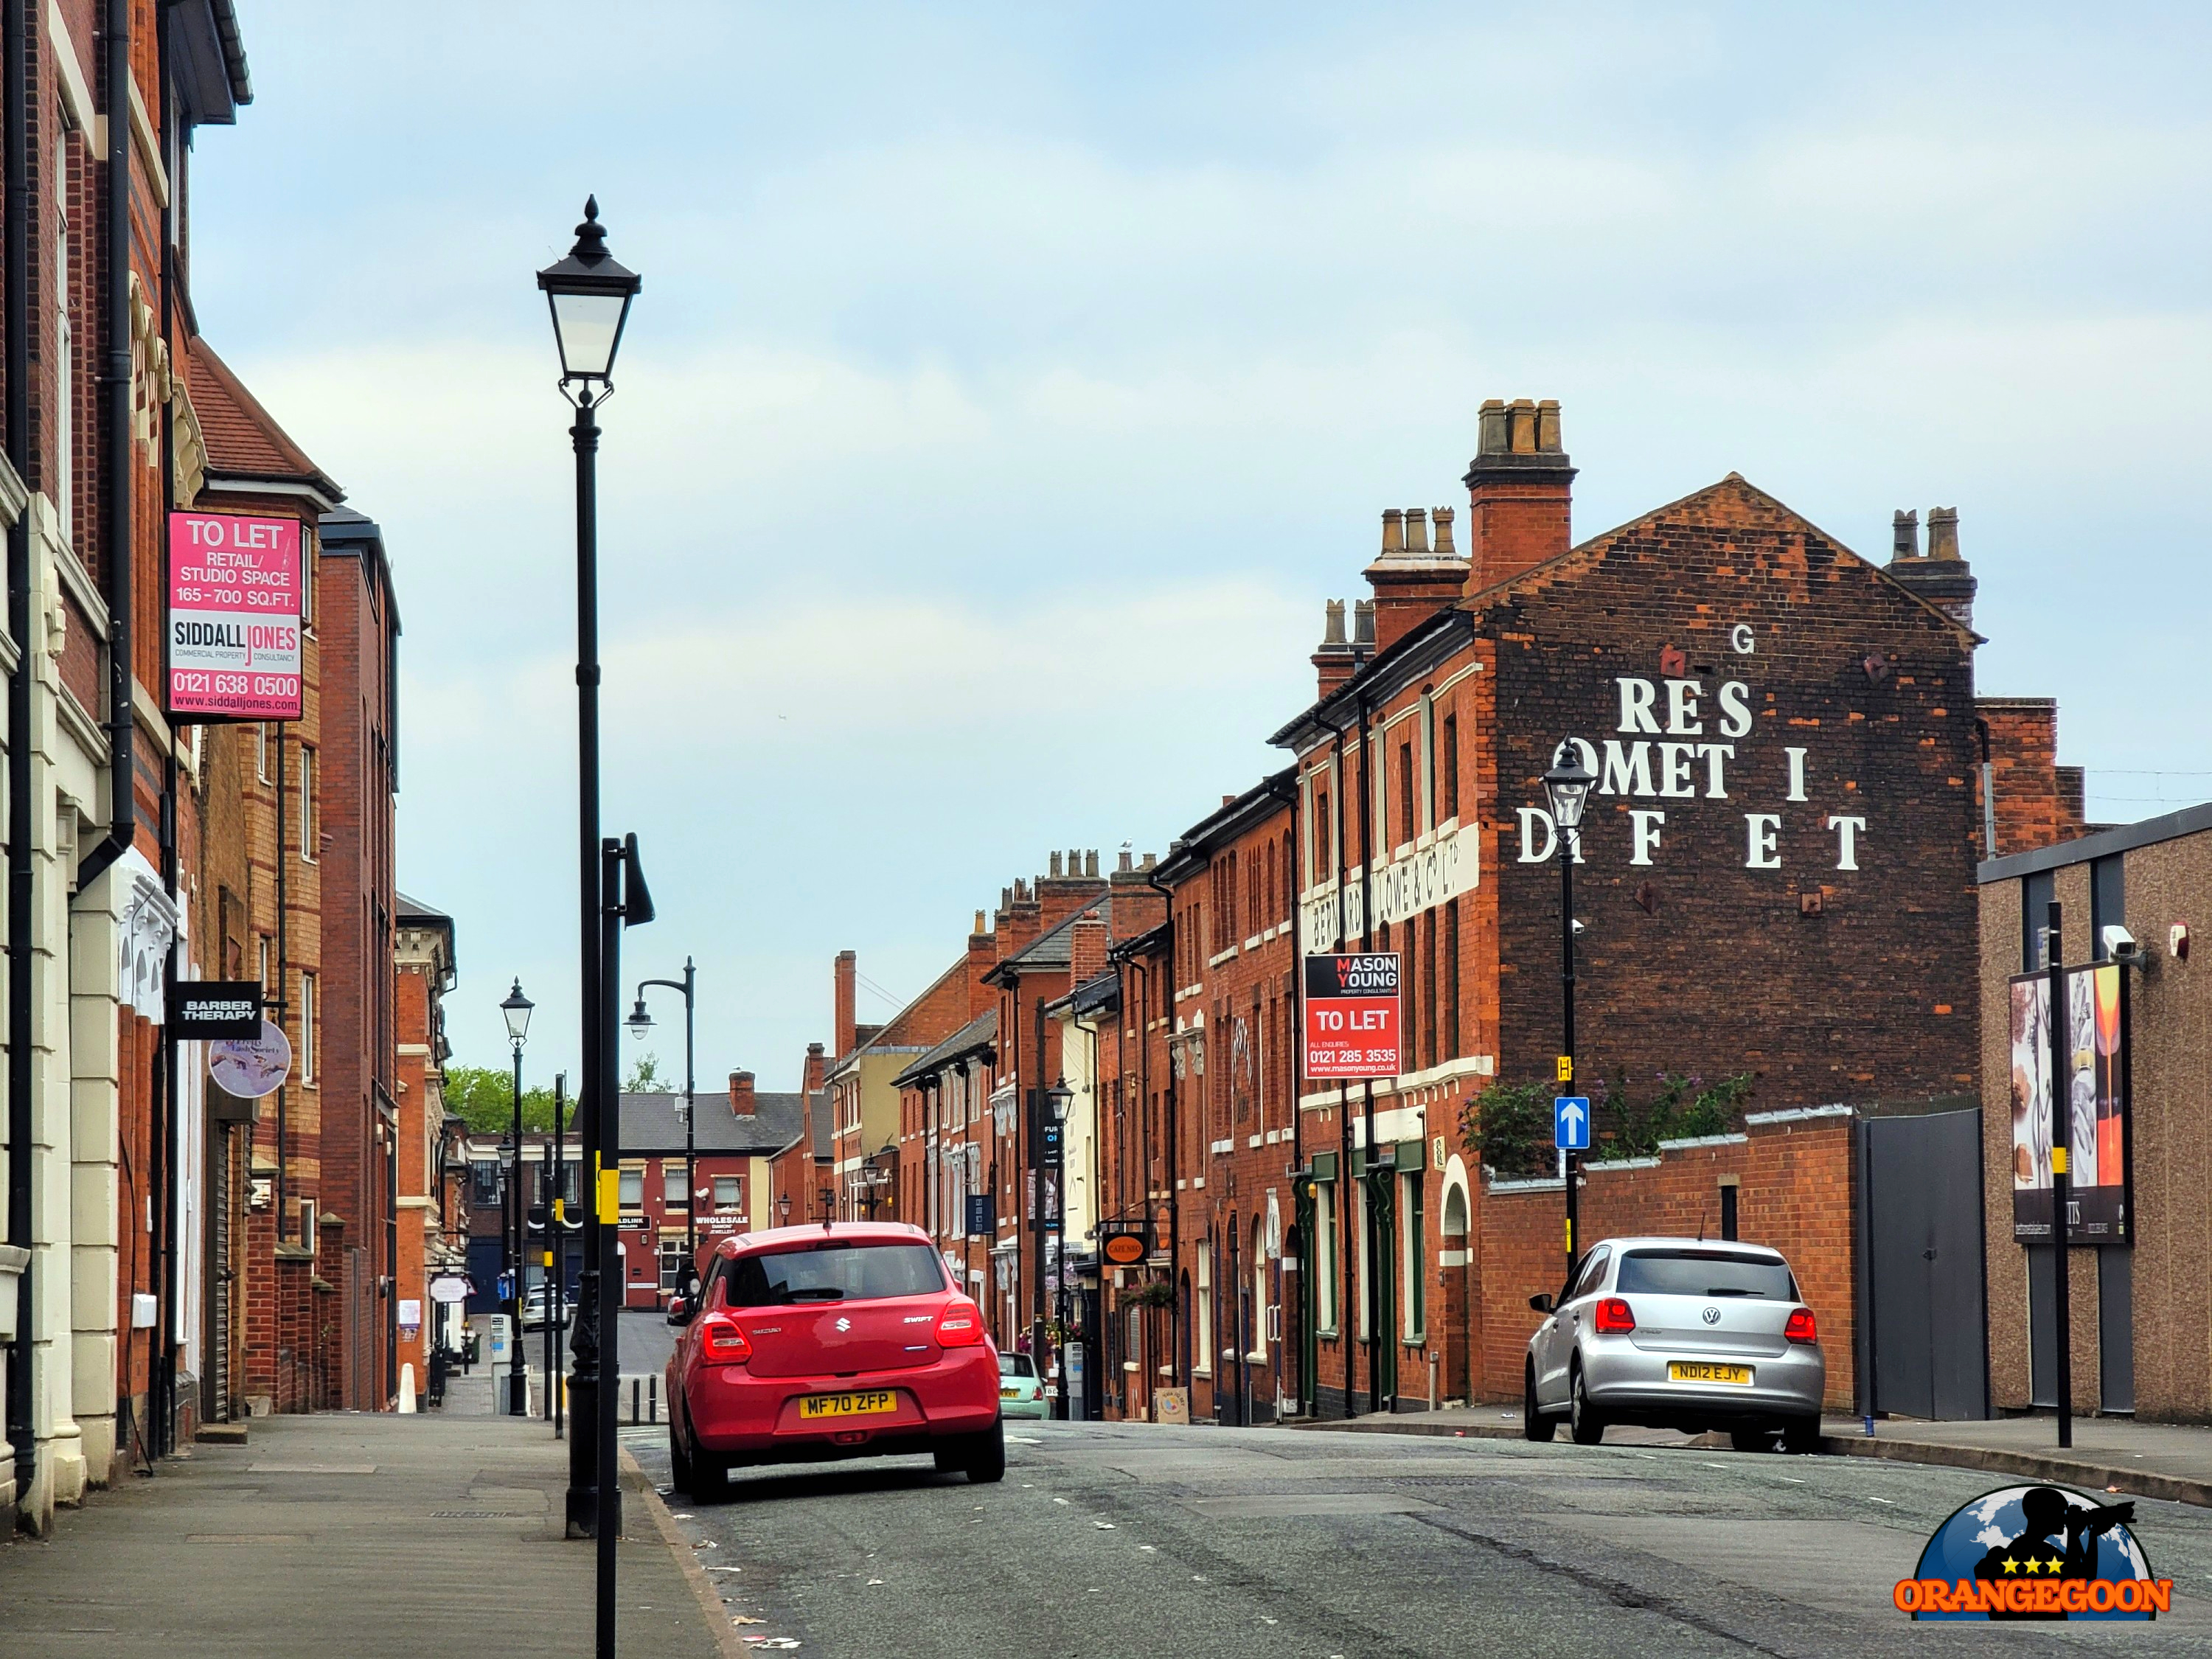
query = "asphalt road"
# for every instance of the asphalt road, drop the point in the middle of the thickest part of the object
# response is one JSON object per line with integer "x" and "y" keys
{"x": 1114, "y": 1539}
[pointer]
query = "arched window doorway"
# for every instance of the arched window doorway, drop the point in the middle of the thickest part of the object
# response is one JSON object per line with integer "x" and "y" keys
{"x": 1456, "y": 1259}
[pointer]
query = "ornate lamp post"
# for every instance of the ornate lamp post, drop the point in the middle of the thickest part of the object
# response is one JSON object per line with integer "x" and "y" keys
{"x": 640, "y": 1023}
{"x": 589, "y": 296}
{"x": 517, "y": 1008}
{"x": 1568, "y": 784}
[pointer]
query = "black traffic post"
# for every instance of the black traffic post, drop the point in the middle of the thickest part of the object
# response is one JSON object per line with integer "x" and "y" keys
{"x": 517, "y": 1008}
{"x": 1054, "y": 1160}
{"x": 627, "y": 904}
{"x": 2062, "y": 1178}
{"x": 640, "y": 1023}
{"x": 589, "y": 296}
{"x": 556, "y": 1255}
{"x": 1568, "y": 785}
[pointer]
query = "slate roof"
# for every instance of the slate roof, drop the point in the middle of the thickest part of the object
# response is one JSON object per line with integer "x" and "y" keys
{"x": 652, "y": 1127}
{"x": 1056, "y": 948}
{"x": 976, "y": 1034}
{"x": 416, "y": 910}
{"x": 243, "y": 439}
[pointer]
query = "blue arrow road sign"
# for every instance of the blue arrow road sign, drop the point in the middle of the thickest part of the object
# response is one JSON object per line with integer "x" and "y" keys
{"x": 1570, "y": 1123}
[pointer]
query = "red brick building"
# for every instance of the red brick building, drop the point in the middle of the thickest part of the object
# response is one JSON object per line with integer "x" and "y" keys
{"x": 1791, "y": 762}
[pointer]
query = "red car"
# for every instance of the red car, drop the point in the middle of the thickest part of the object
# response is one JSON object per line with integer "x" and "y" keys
{"x": 846, "y": 1339}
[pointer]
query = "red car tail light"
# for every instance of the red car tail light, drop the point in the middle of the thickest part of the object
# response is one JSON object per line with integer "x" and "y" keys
{"x": 1801, "y": 1327}
{"x": 722, "y": 1342}
{"x": 960, "y": 1326}
{"x": 1612, "y": 1318}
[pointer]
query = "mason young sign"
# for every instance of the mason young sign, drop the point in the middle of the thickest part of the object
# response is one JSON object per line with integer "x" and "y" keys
{"x": 1351, "y": 1005}
{"x": 1675, "y": 744}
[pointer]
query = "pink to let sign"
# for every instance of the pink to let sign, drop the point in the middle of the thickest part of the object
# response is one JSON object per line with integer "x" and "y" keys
{"x": 234, "y": 589}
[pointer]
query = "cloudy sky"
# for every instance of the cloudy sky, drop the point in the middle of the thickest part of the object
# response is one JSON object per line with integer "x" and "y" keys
{"x": 1012, "y": 384}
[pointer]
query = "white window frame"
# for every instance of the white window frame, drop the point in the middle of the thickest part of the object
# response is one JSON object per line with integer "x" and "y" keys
{"x": 736, "y": 1200}
{"x": 1325, "y": 1245}
{"x": 623, "y": 1180}
{"x": 305, "y": 788}
{"x": 672, "y": 1179}
{"x": 307, "y": 1028}
{"x": 1202, "y": 1295}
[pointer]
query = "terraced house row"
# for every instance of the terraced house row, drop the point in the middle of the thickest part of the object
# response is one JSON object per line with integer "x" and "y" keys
{"x": 1776, "y": 886}
{"x": 178, "y": 1252}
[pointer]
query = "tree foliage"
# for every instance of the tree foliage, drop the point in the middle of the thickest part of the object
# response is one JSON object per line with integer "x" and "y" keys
{"x": 483, "y": 1097}
{"x": 645, "y": 1078}
{"x": 1509, "y": 1125}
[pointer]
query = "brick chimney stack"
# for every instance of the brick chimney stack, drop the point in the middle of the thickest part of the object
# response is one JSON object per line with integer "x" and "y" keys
{"x": 817, "y": 1066}
{"x": 1411, "y": 582}
{"x": 847, "y": 1010}
{"x": 1940, "y": 577}
{"x": 982, "y": 953}
{"x": 1086, "y": 946}
{"x": 1332, "y": 658}
{"x": 743, "y": 1101}
{"x": 1519, "y": 492}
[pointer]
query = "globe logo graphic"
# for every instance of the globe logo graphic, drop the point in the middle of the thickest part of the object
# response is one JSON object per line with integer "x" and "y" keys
{"x": 1981, "y": 1537}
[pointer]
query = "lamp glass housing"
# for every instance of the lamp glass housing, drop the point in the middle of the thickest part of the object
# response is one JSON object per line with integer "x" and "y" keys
{"x": 589, "y": 293}
{"x": 639, "y": 1022}
{"x": 517, "y": 1008}
{"x": 1568, "y": 784}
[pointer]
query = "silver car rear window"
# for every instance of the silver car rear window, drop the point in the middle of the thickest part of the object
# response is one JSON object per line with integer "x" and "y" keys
{"x": 833, "y": 1272}
{"x": 1706, "y": 1272}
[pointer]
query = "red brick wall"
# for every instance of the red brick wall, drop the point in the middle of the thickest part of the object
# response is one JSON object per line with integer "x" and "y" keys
{"x": 2039, "y": 802}
{"x": 1796, "y": 1194}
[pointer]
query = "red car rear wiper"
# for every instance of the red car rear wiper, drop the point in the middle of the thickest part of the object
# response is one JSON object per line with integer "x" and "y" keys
{"x": 822, "y": 1294}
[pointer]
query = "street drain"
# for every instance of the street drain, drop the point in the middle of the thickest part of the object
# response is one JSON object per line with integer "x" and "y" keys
{"x": 487, "y": 1515}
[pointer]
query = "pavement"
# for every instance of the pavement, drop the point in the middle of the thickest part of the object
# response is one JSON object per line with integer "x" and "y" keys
{"x": 2117, "y": 1453}
{"x": 351, "y": 1536}
{"x": 1118, "y": 1538}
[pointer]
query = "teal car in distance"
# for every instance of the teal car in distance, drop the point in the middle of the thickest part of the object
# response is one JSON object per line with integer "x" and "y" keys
{"x": 1020, "y": 1391}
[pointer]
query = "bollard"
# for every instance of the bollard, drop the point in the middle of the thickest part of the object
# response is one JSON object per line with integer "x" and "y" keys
{"x": 407, "y": 1390}
{"x": 653, "y": 1400}
{"x": 633, "y": 1402}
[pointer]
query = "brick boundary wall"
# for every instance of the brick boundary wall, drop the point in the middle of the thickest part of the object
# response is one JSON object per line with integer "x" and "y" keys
{"x": 1794, "y": 1192}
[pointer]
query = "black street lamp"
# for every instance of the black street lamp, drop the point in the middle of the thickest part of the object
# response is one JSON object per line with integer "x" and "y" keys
{"x": 1568, "y": 784}
{"x": 783, "y": 1207}
{"x": 640, "y": 1023}
{"x": 589, "y": 296}
{"x": 517, "y": 1008}
{"x": 1057, "y": 1100}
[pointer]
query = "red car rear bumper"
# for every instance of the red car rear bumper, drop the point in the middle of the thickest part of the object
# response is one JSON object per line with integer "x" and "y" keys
{"x": 733, "y": 1411}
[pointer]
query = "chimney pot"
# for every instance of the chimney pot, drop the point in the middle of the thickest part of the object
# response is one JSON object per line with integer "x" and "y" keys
{"x": 1129, "y": 861}
{"x": 1091, "y": 862}
{"x": 1226, "y": 799}
{"x": 1904, "y": 534}
{"x": 1331, "y": 628}
{"x": 979, "y": 922}
{"x": 1942, "y": 532}
{"x": 1393, "y": 532}
{"x": 1055, "y": 864}
{"x": 1417, "y": 531}
{"x": 1363, "y": 625}
{"x": 1152, "y": 862}
{"x": 1444, "y": 516}
{"x": 1491, "y": 436}
{"x": 1520, "y": 418}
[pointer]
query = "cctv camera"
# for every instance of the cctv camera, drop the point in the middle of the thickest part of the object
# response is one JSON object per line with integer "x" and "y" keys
{"x": 2118, "y": 941}
{"x": 1579, "y": 927}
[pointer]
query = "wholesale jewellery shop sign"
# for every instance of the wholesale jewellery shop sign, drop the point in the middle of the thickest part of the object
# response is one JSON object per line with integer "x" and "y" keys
{"x": 235, "y": 587}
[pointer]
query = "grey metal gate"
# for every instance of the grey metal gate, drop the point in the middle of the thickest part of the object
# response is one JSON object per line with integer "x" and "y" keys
{"x": 1926, "y": 1319}
{"x": 215, "y": 1394}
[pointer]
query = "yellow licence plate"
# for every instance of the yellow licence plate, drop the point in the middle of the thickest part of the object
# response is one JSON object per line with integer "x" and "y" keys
{"x": 1010, "y": 1394}
{"x": 1684, "y": 1371}
{"x": 848, "y": 1405}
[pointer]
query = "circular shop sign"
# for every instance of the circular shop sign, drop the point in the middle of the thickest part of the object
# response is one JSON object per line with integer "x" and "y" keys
{"x": 250, "y": 1068}
{"x": 450, "y": 1287}
{"x": 1124, "y": 1249}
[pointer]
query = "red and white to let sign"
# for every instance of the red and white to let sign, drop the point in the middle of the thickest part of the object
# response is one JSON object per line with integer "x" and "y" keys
{"x": 234, "y": 589}
{"x": 1352, "y": 1015}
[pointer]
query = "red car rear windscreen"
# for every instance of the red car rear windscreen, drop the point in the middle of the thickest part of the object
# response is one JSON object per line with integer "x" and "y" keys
{"x": 834, "y": 1272}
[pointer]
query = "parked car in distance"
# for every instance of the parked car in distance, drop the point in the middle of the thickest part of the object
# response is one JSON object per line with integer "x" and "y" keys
{"x": 535, "y": 1303}
{"x": 845, "y": 1339}
{"x": 1021, "y": 1392}
{"x": 1681, "y": 1333}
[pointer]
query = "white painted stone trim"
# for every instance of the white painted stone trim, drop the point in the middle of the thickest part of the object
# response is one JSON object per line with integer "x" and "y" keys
{"x": 1797, "y": 1114}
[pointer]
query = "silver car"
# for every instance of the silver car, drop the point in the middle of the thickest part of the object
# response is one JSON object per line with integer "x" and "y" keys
{"x": 1678, "y": 1333}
